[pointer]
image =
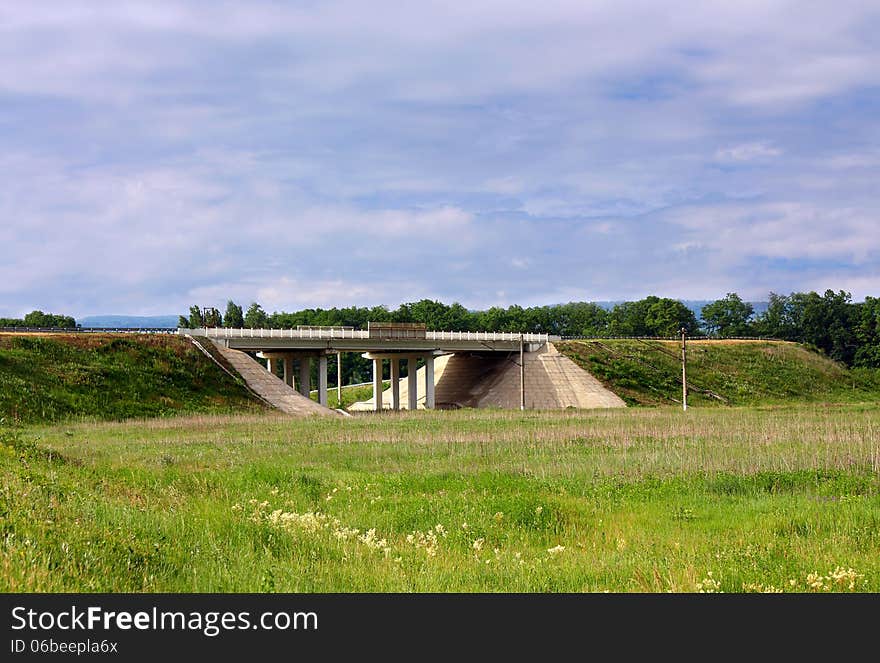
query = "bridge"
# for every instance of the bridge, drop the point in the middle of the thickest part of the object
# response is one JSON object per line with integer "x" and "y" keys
{"x": 394, "y": 342}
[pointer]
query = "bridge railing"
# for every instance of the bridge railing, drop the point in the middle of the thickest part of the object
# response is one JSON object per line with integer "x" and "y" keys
{"x": 90, "y": 330}
{"x": 337, "y": 333}
{"x": 315, "y": 333}
{"x": 486, "y": 336}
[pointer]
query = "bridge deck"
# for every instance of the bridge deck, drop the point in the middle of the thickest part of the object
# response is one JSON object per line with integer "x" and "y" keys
{"x": 352, "y": 340}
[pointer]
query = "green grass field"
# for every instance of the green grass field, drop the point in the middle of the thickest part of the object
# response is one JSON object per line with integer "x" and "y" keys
{"x": 653, "y": 500}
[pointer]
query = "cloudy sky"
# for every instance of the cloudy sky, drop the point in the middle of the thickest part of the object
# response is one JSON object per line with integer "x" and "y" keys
{"x": 154, "y": 155}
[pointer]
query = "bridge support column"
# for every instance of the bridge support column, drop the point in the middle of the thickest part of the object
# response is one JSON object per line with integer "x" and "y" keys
{"x": 395, "y": 383}
{"x": 377, "y": 384}
{"x": 270, "y": 365}
{"x": 412, "y": 382}
{"x": 288, "y": 370}
{"x": 322, "y": 380}
{"x": 305, "y": 375}
{"x": 429, "y": 382}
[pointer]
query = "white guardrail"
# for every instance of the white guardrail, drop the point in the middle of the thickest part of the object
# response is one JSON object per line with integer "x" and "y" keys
{"x": 222, "y": 332}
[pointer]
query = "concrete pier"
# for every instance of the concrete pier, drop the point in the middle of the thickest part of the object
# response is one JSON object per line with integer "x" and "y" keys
{"x": 412, "y": 381}
{"x": 377, "y": 384}
{"x": 429, "y": 382}
{"x": 288, "y": 370}
{"x": 395, "y": 383}
{"x": 305, "y": 375}
{"x": 322, "y": 380}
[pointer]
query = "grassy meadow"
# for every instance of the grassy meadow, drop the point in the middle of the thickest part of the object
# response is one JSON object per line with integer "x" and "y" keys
{"x": 643, "y": 500}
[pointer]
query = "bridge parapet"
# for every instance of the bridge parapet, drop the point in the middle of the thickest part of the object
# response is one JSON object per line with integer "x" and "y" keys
{"x": 397, "y": 330}
{"x": 337, "y": 333}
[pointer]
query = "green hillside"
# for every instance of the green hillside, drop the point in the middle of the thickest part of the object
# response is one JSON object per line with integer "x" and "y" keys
{"x": 719, "y": 372}
{"x": 114, "y": 377}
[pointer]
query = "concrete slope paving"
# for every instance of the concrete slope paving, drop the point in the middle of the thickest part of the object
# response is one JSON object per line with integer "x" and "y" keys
{"x": 553, "y": 381}
{"x": 271, "y": 388}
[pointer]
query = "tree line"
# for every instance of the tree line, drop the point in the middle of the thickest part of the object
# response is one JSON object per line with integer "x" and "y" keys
{"x": 844, "y": 330}
{"x": 40, "y": 319}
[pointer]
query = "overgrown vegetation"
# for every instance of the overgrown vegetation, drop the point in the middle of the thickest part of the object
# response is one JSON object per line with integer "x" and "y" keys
{"x": 732, "y": 500}
{"x": 50, "y": 378}
{"x": 648, "y": 372}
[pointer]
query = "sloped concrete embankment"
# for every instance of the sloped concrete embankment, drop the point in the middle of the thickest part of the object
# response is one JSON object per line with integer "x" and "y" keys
{"x": 270, "y": 388}
{"x": 552, "y": 381}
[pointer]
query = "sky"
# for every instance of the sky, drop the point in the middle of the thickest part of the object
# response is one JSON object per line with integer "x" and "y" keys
{"x": 155, "y": 155}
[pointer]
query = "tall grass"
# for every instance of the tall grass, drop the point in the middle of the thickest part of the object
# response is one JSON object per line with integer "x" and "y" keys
{"x": 738, "y": 499}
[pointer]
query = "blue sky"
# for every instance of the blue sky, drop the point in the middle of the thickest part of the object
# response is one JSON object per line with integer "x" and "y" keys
{"x": 303, "y": 154}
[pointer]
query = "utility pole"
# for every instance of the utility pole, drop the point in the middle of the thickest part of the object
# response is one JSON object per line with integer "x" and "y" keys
{"x": 522, "y": 376}
{"x": 339, "y": 379}
{"x": 684, "y": 378}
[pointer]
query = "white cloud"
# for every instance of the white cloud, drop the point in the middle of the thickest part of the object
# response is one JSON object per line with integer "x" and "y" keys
{"x": 745, "y": 152}
{"x": 855, "y": 160}
{"x": 787, "y": 230}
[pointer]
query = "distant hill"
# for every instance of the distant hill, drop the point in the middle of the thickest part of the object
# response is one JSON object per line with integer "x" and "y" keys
{"x": 107, "y": 321}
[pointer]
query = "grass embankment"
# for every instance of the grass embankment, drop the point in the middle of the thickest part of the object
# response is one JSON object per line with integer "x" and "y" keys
{"x": 103, "y": 376}
{"x": 719, "y": 372}
{"x": 725, "y": 499}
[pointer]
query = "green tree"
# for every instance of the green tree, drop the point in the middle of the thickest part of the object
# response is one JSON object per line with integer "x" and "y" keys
{"x": 730, "y": 316}
{"x": 493, "y": 319}
{"x": 213, "y": 318}
{"x": 867, "y": 333}
{"x": 234, "y": 317}
{"x": 579, "y": 319}
{"x": 666, "y": 317}
{"x": 778, "y": 321}
{"x": 48, "y": 320}
{"x": 183, "y": 322}
{"x": 256, "y": 317}
{"x": 652, "y": 316}
{"x": 195, "y": 317}
{"x": 829, "y": 323}
{"x": 436, "y": 315}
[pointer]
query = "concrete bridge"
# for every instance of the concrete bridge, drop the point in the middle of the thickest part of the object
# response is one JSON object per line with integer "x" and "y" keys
{"x": 394, "y": 342}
